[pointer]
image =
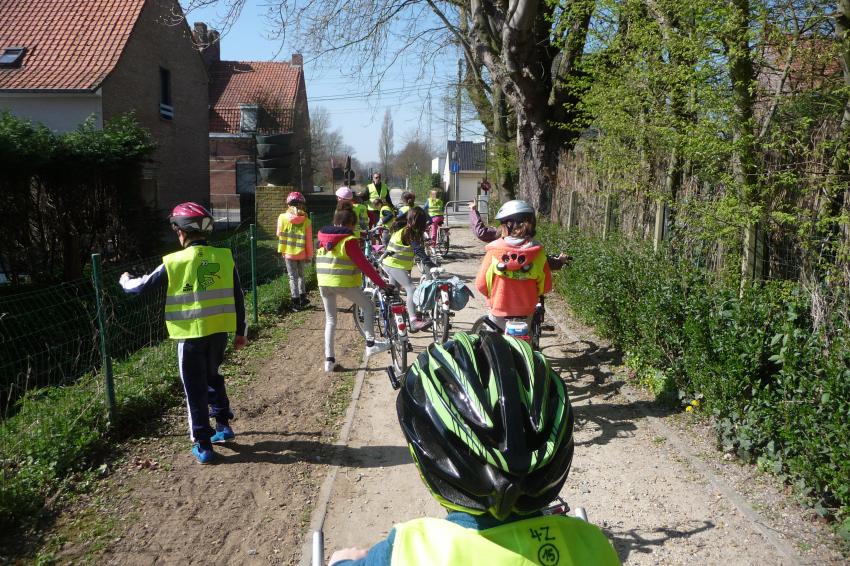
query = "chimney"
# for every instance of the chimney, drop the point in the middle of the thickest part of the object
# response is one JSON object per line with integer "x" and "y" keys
{"x": 298, "y": 59}
{"x": 208, "y": 43}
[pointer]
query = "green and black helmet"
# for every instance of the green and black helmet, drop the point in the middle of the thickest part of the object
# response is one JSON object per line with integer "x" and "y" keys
{"x": 489, "y": 425}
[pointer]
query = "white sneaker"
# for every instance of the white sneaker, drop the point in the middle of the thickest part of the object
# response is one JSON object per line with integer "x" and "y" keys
{"x": 380, "y": 346}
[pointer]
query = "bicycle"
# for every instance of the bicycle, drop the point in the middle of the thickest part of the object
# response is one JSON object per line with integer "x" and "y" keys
{"x": 391, "y": 322}
{"x": 440, "y": 248}
{"x": 518, "y": 326}
{"x": 440, "y": 312}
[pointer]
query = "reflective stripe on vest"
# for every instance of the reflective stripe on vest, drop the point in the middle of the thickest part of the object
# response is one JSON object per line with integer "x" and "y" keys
{"x": 550, "y": 541}
{"x": 374, "y": 193}
{"x": 335, "y": 269}
{"x": 536, "y": 273}
{"x": 435, "y": 207}
{"x": 199, "y": 299}
{"x": 292, "y": 238}
{"x": 403, "y": 256}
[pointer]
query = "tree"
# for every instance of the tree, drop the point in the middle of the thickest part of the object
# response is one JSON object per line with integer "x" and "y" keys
{"x": 325, "y": 144}
{"x": 531, "y": 51}
{"x": 385, "y": 145}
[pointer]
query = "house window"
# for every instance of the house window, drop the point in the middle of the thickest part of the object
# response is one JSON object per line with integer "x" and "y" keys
{"x": 12, "y": 56}
{"x": 166, "y": 110}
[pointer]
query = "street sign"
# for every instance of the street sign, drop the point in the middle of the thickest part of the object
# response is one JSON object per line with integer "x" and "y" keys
{"x": 454, "y": 167}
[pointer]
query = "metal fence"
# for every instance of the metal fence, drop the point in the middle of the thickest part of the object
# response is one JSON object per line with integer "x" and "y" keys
{"x": 54, "y": 335}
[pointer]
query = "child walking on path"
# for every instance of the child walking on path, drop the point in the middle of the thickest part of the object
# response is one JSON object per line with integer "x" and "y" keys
{"x": 340, "y": 265}
{"x": 514, "y": 272}
{"x": 203, "y": 303}
{"x": 295, "y": 235}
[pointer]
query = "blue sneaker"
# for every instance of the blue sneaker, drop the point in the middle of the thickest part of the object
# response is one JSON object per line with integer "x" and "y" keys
{"x": 223, "y": 433}
{"x": 201, "y": 454}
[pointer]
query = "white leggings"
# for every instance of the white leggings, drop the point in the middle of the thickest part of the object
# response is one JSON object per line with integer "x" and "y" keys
{"x": 402, "y": 277}
{"x": 356, "y": 296}
{"x": 295, "y": 269}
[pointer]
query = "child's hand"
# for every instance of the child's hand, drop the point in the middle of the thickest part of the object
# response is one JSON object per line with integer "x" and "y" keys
{"x": 347, "y": 554}
{"x": 239, "y": 342}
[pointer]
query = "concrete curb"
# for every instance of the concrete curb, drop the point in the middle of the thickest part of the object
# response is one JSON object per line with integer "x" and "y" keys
{"x": 317, "y": 518}
{"x": 732, "y": 496}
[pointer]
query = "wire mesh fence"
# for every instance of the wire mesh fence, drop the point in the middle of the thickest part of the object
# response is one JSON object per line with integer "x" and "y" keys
{"x": 50, "y": 336}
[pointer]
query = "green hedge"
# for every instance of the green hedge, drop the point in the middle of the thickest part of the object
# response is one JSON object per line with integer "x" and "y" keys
{"x": 779, "y": 393}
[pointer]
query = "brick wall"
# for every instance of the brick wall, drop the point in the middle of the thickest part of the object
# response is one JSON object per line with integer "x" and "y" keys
{"x": 180, "y": 164}
{"x": 271, "y": 203}
{"x": 224, "y": 153}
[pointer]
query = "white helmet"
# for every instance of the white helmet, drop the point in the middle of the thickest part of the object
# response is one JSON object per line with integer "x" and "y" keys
{"x": 514, "y": 208}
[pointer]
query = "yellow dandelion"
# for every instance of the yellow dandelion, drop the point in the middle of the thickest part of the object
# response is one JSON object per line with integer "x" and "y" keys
{"x": 689, "y": 408}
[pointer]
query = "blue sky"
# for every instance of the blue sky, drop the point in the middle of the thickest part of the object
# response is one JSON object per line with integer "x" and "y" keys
{"x": 357, "y": 115}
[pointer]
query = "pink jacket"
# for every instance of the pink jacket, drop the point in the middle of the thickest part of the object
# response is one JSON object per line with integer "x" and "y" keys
{"x": 296, "y": 219}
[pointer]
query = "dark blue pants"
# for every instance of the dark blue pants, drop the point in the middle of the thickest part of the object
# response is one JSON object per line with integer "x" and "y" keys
{"x": 198, "y": 360}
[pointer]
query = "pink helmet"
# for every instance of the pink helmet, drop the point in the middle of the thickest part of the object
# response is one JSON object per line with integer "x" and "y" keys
{"x": 344, "y": 193}
{"x": 191, "y": 217}
{"x": 294, "y": 196}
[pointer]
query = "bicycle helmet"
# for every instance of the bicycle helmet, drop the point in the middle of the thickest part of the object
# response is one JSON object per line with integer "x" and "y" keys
{"x": 294, "y": 196}
{"x": 514, "y": 208}
{"x": 191, "y": 217}
{"x": 344, "y": 193}
{"x": 489, "y": 425}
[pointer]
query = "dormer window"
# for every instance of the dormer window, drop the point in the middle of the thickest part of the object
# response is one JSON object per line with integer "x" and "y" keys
{"x": 12, "y": 56}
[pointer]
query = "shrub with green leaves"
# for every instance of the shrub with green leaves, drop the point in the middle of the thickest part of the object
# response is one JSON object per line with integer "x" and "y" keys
{"x": 778, "y": 390}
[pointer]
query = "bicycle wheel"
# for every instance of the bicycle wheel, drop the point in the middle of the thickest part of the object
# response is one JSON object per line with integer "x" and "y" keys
{"x": 443, "y": 242}
{"x": 398, "y": 349}
{"x": 484, "y": 324}
{"x": 441, "y": 326}
{"x": 360, "y": 323}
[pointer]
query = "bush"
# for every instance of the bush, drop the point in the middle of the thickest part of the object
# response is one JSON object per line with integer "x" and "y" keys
{"x": 779, "y": 392}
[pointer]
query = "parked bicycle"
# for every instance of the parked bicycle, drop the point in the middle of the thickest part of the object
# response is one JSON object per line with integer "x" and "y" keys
{"x": 518, "y": 326}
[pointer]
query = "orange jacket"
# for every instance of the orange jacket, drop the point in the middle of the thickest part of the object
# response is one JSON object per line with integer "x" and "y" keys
{"x": 513, "y": 275}
{"x": 293, "y": 217}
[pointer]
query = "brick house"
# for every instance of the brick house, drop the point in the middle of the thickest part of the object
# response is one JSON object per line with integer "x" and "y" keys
{"x": 65, "y": 61}
{"x": 251, "y": 102}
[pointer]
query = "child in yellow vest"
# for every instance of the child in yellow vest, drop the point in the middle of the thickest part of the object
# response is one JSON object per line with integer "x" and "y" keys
{"x": 490, "y": 427}
{"x": 295, "y": 236}
{"x": 203, "y": 303}
{"x": 340, "y": 266}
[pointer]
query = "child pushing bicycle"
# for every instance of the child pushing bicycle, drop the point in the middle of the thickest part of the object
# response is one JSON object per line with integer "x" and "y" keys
{"x": 515, "y": 271}
{"x": 490, "y": 428}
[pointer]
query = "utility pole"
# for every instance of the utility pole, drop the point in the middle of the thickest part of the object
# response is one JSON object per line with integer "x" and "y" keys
{"x": 457, "y": 130}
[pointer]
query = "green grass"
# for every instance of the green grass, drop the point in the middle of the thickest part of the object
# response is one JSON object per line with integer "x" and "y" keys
{"x": 60, "y": 434}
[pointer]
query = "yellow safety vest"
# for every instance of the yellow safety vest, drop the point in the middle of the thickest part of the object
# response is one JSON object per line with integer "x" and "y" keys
{"x": 199, "y": 299}
{"x": 536, "y": 272}
{"x": 362, "y": 219}
{"x": 293, "y": 237}
{"x": 335, "y": 269}
{"x": 374, "y": 193}
{"x": 403, "y": 256}
{"x": 386, "y": 210}
{"x": 435, "y": 207}
{"x": 404, "y": 209}
{"x": 549, "y": 541}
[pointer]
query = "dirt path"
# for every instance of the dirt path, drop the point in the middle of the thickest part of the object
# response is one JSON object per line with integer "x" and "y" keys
{"x": 254, "y": 504}
{"x": 660, "y": 493}
{"x": 651, "y": 480}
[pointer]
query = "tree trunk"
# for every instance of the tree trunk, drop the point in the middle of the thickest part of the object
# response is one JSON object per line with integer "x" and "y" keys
{"x": 537, "y": 159}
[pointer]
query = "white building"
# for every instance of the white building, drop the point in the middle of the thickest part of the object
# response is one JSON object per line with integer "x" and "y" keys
{"x": 470, "y": 157}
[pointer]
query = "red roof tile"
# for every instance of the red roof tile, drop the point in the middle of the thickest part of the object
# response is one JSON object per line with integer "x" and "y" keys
{"x": 71, "y": 44}
{"x": 271, "y": 84}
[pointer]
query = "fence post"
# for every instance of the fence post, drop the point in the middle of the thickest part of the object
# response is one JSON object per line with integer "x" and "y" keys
{"x": 253, "y": 232}
{"x": 571, "y": 210}
{"x": 606, "y": 229}
{"x": 106, "y": 361}
{"x": 660, "y": 213}
{"x": 752, "y": 261}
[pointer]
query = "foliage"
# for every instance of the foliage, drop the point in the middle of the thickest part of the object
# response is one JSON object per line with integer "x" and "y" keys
{"x": 778, "y": 390}
{"x": 71, "y": 193}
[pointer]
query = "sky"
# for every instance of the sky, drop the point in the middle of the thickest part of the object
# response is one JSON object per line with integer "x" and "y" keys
{"x": 352, "y": 110}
